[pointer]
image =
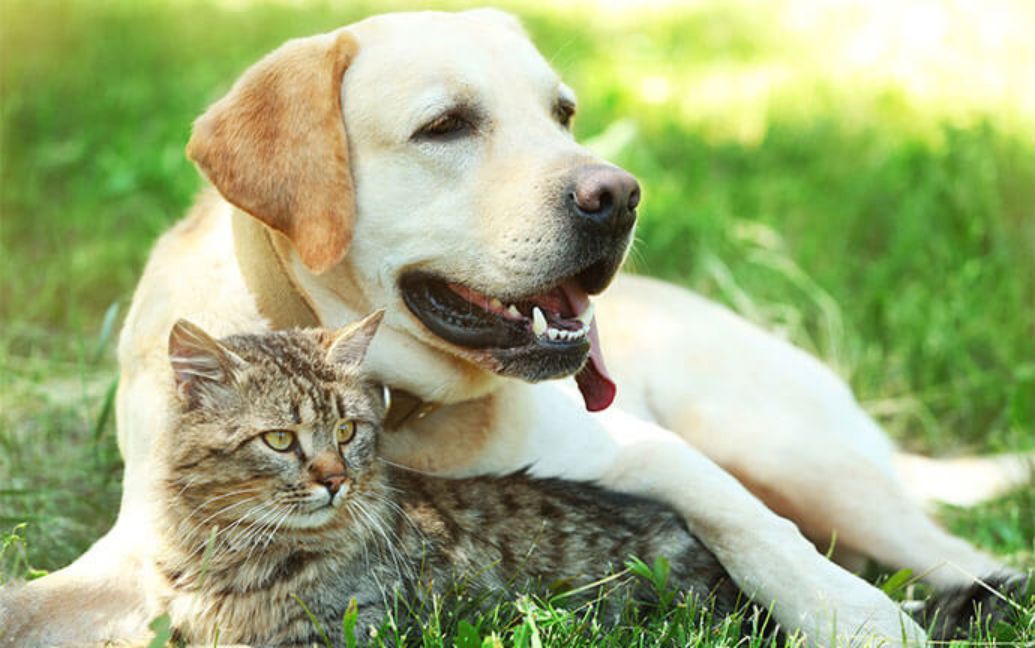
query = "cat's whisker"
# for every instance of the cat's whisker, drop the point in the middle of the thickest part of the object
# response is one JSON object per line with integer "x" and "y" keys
{"x": 359, "y": 534}
{"x": 200, "y": 540}
{"x": 228, "y": 544}
{"x": 402, "y": 566}
{"x": 197, "y": 535}
{"x": 279, "y": 512}
{"x": 199, "y": 525}
{"x": 274, "y": 526}
{"x": 272, "y": 534}
{"x": 367, "y": 524}
{"x": 402, "y": 513}
{"x": 187, "y": 483}
{"x": 388, "y": 488}
{"x": 256, "y": 526}
{"x": 263, "y": 535}
{"x": 211, "y": 500}
{"x": 230, "y": 540}
{"x": 362, "y": 519}
{"x": 362, "y": 537}
{"x": 406, "y": 468}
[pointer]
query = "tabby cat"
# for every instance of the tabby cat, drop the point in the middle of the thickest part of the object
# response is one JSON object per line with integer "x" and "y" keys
{"x": 274, "y": 497}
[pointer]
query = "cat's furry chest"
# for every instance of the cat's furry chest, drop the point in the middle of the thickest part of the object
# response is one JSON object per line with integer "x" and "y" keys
{"x": 273, "y": 598}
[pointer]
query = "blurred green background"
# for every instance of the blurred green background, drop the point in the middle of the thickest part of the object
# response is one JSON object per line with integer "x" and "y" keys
{"x": 859, "y": 177}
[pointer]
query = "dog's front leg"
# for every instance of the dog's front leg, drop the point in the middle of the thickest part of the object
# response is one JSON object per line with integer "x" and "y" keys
{"x": 765, "y": 554}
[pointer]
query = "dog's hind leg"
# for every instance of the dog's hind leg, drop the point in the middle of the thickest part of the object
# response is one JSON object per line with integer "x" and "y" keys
{"x": 963, "y": 481}
{"x": 830, "y": 484}
{"x": 844, "y": 499}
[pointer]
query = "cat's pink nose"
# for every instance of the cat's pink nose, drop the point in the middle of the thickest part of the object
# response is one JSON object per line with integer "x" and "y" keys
{"x": 328, "y": 469}
{"x": 333, "y": 483}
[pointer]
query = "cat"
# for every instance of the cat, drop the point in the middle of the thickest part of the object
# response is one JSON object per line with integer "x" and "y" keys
{"x": 274, "y": 497}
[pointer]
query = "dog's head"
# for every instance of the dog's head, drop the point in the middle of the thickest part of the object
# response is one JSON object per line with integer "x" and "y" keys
{"x": 424, "y": 163}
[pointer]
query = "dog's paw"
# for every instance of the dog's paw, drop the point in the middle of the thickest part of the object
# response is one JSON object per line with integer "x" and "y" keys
{"x": 956, "y": 612}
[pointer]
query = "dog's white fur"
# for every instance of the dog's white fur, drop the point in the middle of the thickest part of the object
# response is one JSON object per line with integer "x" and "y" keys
{"x": 714, "y": 416}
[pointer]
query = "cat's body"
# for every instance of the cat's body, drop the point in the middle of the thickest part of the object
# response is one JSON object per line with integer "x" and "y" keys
{"x": 253, "y": 531}
{"x": 440, "y": 539}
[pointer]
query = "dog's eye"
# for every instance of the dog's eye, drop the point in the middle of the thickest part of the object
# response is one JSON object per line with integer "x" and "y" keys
{"x": 446, "y": 126}
{"x": 565, "y": 113}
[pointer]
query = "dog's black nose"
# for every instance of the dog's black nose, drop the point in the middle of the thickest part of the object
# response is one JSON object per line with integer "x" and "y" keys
{"x": 605, "y": 196}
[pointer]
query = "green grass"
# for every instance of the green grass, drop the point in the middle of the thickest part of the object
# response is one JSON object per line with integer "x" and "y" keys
{"x": 873, "y": 199}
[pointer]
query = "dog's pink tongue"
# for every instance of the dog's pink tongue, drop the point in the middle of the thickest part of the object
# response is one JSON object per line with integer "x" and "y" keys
{"x": 598, "y": 390}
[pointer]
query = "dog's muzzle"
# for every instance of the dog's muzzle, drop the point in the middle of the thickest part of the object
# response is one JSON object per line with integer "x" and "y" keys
{"x": 547, "y": 331}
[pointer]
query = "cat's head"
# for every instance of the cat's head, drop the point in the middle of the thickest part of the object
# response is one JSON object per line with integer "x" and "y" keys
{"x": 274, "y": 431}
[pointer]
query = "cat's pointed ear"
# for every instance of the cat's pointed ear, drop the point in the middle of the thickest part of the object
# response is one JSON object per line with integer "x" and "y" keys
{"x": 199, "y": 361}
{"x": 352, "y": 341}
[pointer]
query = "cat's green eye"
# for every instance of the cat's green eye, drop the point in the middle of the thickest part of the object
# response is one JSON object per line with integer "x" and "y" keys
{"x": 279, "y": 440}
{"x": 346, "y": 430}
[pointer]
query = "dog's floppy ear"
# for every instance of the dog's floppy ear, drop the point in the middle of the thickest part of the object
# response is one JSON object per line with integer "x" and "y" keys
{"x": 275, "y": 146}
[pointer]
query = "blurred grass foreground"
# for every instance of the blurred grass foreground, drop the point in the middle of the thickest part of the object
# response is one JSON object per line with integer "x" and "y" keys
{"x": 857, "y": 176}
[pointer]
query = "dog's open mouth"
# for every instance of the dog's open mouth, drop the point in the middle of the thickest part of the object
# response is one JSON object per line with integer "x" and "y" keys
{"x": 540, "y": 336}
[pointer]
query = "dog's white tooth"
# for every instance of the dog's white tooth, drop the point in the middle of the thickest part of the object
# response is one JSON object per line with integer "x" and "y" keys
{"x": 587, "y": 315}
{"x": 552, "y": 333}
{"x": 538, "y": 321}
{"x": 496, "y": 303}
{"x": 514, "y": 312}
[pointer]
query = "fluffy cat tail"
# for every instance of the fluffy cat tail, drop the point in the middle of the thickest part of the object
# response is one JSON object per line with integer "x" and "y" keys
{"x": 963, "y": 481}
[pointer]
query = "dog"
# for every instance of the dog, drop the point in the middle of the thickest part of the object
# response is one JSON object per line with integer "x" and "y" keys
{"x": 423, "y": 163}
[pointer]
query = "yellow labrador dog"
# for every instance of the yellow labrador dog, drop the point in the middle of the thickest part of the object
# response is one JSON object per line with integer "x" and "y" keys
{"x": 423, "y": 163}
